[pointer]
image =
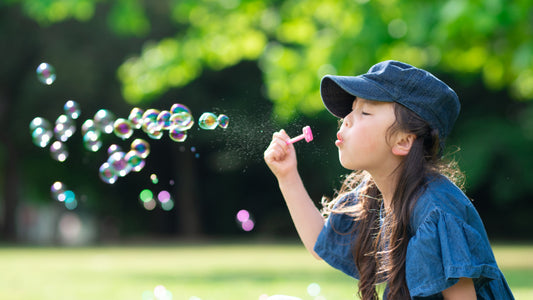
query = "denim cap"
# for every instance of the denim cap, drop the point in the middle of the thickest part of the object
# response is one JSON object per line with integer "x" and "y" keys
{"x": 394, "y": 81}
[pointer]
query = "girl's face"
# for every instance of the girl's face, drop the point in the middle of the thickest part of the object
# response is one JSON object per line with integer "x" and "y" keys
{"x": 362, "y": 137}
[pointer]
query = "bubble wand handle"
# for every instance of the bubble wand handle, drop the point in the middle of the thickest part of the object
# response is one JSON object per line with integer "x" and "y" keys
{"x": 306, "y": 134}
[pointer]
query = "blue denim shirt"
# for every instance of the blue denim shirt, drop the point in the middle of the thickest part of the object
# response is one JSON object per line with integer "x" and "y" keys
{"x": 448, "y": 242}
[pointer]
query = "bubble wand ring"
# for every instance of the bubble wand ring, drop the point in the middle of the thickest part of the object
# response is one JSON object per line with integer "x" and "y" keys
{"x": 306, "y": 134}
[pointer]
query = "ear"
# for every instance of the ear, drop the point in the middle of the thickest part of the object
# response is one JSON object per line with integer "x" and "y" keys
{"x": 403, "y": 143}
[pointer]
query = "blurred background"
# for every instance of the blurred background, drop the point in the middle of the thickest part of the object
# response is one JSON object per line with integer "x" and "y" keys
{"x": 260, "y": 63}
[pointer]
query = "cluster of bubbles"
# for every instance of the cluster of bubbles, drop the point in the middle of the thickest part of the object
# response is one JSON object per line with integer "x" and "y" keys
{"x": 244, "y": 219}
{"x": 120, "y": 163}
{"x": 59, "y": 192}
{"x": 150, "y": 200}
{"x": 159, "y": 293}
{"x": 46, "y": 73}
{"x": 43, "y": 133}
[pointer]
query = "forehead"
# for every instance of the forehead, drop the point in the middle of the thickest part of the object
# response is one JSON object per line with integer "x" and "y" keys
{"x": 364, "y": 102}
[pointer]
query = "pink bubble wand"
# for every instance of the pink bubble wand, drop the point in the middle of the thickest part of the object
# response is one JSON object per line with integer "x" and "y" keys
{"x": 307, "y": 135}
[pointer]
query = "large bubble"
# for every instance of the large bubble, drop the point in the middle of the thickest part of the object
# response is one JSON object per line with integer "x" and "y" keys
{"x": 208, "y": 121}
{"x": 46, "y": 73}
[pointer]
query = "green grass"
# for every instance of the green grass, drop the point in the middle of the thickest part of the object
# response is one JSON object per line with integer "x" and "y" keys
{"x": 207, "y": 271}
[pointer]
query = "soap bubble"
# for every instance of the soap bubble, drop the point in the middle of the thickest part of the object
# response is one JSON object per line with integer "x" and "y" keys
{"x": 136, "y": 117}
{"x": 104, "y": 120}
{"x": 72, "y": 109}
{"x": 313, "y": 289}
{"x": 64, "y": 128}
{"x": 59, "y": 151}
{"x": 178, "y": 107}
{"x": 135, "y": 160}
{"x": 46, "y": 73}
{"x": 91, "y": 141}
{"x": 223, "y": 121}
{"x": 248, "y": 225}
{"x": 163, "y": 119}
{"x": 208, "y": 121}
{"x": 176, "y": 134}
{"x": 88, "y": 125}
{"x": 154, "y": 131}
{"x": 107, "y": 173}
{"x": 39, "y": 122}
{"x": 112, "y": 149}
{"x": 41, "y": 137}
{"x": 122, "y": 128}
{"x": 141, "y": 146}
{"x": 183, "y": 120}
{"x": 245, "y": 220}
{"x": 118, "y": 162}
{"x": 154, "y": 179}
{"x": 57, "y": 189}
{"x": 243, "y": 215}
{"x": 149, "y": 117}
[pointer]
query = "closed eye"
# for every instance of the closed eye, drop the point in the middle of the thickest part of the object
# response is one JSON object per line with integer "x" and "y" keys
{"x": 365, "y": 113}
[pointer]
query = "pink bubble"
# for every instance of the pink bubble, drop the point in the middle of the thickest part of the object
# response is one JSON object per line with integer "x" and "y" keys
{"x": 163, "y": 196}
{"x": 243, "y": 215}
{"x": 248, "y": 225}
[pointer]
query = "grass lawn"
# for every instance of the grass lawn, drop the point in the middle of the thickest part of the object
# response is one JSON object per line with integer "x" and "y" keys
{"x": 215, "y": 271}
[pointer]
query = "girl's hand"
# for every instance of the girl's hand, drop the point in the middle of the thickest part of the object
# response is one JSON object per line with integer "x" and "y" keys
{"x": 280, "y": 156}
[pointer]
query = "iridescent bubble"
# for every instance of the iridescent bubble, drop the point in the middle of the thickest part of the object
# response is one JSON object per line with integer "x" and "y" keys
{"x": 163, "y": 119}
{"x": 107, "y": 173}
{"x": 72, "y": 109}
{"x": 64, "y": 128}
{"x": 46, "y": 73}
{"x": 59, "y": 151}
{"x": 149, "y": 117}
{"x": 91, "y": 141}
{"x": 176, "y": 134}
{"x": 122, "y": 128}
{"x": 112, "y": 149}
{"x": 154, "y": 131}
{"x": 104, "y": 120}
{"x": 41, "y": 137}
{"x": 223, "y": 121}
{"x": 178, "y": 107}
{"x": 141, "y": 146}
{"x": 39, "y": 122}
{"x": 118, "y": 162}
{"x": 183, "y": 120}
{"x": 57, "y": 189}
{"x": 136, "y": 117}
{"x": 208, "y": 121}
{"x": 135, "y": 160}
{"x": 87, "y": 126}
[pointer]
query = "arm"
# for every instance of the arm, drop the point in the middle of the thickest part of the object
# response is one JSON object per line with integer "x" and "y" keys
{"x": 281, "y": 159}
{"x": 462, "y": 290}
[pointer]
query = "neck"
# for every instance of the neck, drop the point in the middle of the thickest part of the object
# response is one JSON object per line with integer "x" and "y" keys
{"x": 386, "y": 181}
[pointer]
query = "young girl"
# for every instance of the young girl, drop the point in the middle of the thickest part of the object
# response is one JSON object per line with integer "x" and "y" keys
{"x": 398, "y": 218}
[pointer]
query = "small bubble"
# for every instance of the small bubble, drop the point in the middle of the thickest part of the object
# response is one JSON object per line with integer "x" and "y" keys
{"x": 41, "y": 137}
{"x": 135, "y": 160}
{"x": 141, "y": 146}
{"x": 176, "y": 134}
{"x": 64, "y": 128}
{"x": 223, "y": 121}
{"x": 113, "y": 148}
{"x": 91, "y": 141}
{"x": 46, "y": 73}
{"x": 163, "y": 119}
{"x": 136, "y": 117}
{"x": 122, "y": 128}
{"x": 107, "y": 173}
{"x": 57, "y": 189}
{"x": 72, "y": 109}
{"x": 313, "y": 289}
{"x": 154, "y": 179}
{"x": 118, "y": 162}
{"x": 104, "y": 120}
{"x": 59, "y": 151}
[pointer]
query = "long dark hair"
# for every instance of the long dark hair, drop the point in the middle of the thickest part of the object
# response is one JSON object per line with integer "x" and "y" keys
{"x": 380, "y": 249}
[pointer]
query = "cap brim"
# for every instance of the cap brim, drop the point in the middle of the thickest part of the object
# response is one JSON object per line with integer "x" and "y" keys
{"x": 339, "y": 92}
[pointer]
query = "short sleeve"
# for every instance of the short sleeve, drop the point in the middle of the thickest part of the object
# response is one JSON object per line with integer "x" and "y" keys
{"x": 444, "y": 249}
{"x": 335, "y": 241}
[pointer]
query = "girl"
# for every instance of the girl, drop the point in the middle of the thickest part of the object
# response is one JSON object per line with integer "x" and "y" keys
{"x": 398, "y": 218}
